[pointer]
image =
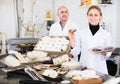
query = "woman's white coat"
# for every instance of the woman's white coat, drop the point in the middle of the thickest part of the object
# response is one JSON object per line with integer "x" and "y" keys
{"x": 85, "y": 42}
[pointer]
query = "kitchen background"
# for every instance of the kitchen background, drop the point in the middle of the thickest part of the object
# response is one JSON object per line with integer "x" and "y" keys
{"x": 27, "y": 18}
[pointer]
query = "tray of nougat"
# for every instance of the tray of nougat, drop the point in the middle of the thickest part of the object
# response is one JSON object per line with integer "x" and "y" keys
{"x": 84, "y": 77}
{"x": 53, "y": 44}
{"x": 51, "y": 72}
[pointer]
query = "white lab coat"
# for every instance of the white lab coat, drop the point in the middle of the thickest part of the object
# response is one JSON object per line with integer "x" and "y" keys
{"x": 85, "y": 42}
{"x": 56, "y": 29}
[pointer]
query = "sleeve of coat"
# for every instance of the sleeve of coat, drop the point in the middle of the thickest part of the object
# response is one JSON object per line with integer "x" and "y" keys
{"x": 108, "y": 43}
{"x": 76, "y": 50}
{"x": 51, "y": 30}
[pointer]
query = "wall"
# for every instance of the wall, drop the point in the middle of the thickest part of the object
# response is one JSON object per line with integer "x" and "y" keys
{"x": 40, "y": 9}
{"x": 77, "y": 14}
{"x": 118, "y": 24}
{"x": 37, "y": 13}
{"x": 7, "y": 18}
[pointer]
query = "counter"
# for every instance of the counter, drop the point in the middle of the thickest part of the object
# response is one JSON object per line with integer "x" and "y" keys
{"x": 20, "y": 77}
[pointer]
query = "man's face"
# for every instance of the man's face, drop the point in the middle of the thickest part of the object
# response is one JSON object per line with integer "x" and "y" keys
{"x": 63, "y": 14}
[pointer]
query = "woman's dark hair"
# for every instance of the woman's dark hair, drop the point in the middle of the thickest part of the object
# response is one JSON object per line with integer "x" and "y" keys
{"x": 95, "y": 7}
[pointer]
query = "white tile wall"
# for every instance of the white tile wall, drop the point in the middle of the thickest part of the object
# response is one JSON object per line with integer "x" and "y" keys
{"x": 7, "y": 18}
{"x": 77, "y": 14}
{"x": 118, "y": 24}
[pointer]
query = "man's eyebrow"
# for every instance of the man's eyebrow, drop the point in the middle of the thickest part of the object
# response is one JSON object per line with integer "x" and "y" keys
{"x": 64, "y": 11}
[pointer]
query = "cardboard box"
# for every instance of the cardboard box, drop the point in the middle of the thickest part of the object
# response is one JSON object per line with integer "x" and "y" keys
{"x": 88, "y": 81}
{"x": 53, "y": 45}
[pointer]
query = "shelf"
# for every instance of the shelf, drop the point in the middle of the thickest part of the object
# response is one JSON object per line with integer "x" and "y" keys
{"x": 101, "y": 5}
{"x": 104, "y": 5}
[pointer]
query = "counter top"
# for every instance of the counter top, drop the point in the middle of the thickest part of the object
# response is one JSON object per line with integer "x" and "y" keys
{"x": 20, "y": 77}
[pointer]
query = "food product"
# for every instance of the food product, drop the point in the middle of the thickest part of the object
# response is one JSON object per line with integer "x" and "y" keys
{"x": 11, "y": 61}
{"x": 36, "y": 54}
{"x": 60, "y": 59}
{"x": 71, "y": 65}
{"x": 20, "y": 57}
{"x": 50, "y": 73}
{"x": 55, "y": 44}
{"x": 62, "y": 71}
{"x": 86, "y": 77}
{"x": 72, "y": 73}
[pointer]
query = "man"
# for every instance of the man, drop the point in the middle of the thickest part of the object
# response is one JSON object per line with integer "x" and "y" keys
{"x": 63, "y": 27}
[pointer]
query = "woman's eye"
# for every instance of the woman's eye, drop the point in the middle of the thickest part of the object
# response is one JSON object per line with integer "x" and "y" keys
{"x": 96, "y": 15}
{"x": 93, "y": 15}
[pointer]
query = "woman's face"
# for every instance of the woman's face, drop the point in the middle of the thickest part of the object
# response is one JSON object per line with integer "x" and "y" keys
{"x": 94, "y": 17}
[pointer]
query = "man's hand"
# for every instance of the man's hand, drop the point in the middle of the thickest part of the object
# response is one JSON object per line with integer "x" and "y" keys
{"x": 70, "y": 55}
{"x": 71, "y": 37}
{"x": 71, "y": 33}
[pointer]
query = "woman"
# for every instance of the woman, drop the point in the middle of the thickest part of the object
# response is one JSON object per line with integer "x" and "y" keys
{"x": 92, "y": 37}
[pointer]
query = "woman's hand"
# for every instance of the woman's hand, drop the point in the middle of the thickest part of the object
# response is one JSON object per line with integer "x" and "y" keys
{"x": 104, "y": 52}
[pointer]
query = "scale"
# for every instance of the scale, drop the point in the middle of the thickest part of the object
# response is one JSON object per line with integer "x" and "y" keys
{"x": 116, "y": 55}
